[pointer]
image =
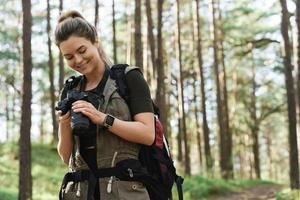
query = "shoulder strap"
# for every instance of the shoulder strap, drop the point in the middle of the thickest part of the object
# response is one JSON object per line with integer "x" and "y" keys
{"x": 72, "y": 82}
{"x": 118, "y": 73}
{"x": 130, "y": 68}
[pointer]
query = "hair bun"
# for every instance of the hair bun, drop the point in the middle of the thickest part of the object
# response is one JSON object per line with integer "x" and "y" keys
{"x": 69, "y": 14}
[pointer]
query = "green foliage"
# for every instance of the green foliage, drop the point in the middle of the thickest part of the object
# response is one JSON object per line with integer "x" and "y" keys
{"x": 198, "y": 187}
{"x": 288, "y": 195}
{"x": 47, "y": 172}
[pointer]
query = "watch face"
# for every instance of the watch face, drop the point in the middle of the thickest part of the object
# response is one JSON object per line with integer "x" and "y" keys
{"x": 109, "y": 121}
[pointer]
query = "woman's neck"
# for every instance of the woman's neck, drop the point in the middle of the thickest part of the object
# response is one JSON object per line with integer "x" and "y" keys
{"x": 94, "y": 78}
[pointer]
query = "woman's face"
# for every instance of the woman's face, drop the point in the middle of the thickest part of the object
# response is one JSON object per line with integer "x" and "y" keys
{"x": 81, "y": 54}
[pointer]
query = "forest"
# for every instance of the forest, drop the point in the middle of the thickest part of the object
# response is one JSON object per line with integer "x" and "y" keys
{"x": 224, "y": 74}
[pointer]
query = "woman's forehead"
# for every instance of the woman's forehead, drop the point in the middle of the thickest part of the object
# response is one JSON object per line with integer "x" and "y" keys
{"x": 73, "y": 43}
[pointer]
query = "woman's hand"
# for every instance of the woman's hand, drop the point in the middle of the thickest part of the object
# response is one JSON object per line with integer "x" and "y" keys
{"x": 63, "y": 119}
{"x": 88, "y": 110}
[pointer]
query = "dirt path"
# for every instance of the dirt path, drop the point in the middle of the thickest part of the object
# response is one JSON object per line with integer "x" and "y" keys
{"x": 260, "y": 192}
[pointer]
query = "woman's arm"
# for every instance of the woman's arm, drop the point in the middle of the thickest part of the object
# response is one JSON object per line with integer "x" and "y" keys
{"x": 65, "y": 142}
{"x": 141, "y": 130}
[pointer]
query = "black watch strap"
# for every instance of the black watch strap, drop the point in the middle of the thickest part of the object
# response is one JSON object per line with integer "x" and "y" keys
{"x": 108, "y": 121}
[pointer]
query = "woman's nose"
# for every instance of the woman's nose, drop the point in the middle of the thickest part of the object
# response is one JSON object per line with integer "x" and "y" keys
{"x": 78, "y": 58}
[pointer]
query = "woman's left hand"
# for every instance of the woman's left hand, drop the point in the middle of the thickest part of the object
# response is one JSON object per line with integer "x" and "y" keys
{"x": 88, "y": 110}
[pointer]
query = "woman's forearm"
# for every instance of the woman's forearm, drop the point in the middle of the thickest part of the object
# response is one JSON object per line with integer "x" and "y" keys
{"x": 141, "y": 130}
{"x": 65, "y": 142}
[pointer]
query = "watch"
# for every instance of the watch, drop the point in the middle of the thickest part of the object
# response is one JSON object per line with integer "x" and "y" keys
{"x": 108, "y": 121}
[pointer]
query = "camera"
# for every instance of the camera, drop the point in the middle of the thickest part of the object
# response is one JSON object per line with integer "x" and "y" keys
{"x": 80, "y": 124}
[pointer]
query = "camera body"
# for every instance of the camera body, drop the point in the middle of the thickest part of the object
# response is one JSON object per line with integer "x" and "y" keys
{"x": 80, "y": 124}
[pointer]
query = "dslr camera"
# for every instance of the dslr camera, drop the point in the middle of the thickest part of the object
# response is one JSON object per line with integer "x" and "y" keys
{"x": 80, "y": 124}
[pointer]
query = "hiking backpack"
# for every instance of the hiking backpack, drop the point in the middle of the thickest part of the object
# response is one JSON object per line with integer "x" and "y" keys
{"x": 155, "y": 158}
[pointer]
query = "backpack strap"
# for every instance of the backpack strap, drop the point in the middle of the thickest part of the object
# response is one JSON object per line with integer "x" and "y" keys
{"x": 130, "y": 68}
{"x": 179, "y": 182}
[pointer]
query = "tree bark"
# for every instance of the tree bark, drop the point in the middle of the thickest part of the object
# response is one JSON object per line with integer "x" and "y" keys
{"x": 51, "y": 76}
{"x": 203, "y": 93}
{"x": 187, "y": 166}
{"x": 298, "y": 53}
{"x": 96, "y": 13}
{"x": 138, "y": 47}
{"x": 294, "y": 166}
{"x": 61, "y": 59}
{"x": 161, "y": 88}
{"x": 255, "y": 122}
{"x": 151, "y": 39}
{"x": 225, "y": 151}
{"x": 114, "y": 32}
{"x": 25, "y": 178}
{"x": 229, "y": 163}
{"x": 129, "y": 38}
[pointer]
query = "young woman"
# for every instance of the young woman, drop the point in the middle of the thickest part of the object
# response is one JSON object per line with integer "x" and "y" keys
{"x": 116, "y": 129}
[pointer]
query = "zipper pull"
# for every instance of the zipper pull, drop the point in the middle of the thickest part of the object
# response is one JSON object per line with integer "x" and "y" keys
{"x": 108, "y": 189}
{"x": 78, "y": 190}
{"x": 130, "y": 172}
{"x": 109, "y": 185}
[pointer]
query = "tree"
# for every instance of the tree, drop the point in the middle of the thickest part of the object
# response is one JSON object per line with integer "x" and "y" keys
{"x": 114, "y": 32}
{"x": 138, "y": 47}
{"x": 225, "y": 143}
{"x": 25, "y": 178}
{"x": 151, "y": 39}
{"x": 96, "y": 13}
{"x": 289, "y": 81}
{"x": 51, "y": 75}
{"x": 187, "y": 168}
{"x": 61, "y": 59}
{"x": 203, "y": 94}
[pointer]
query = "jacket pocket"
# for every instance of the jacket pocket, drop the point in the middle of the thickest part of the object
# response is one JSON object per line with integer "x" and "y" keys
{"x": 75, "y": 191}
{"x": 129, "y": 190}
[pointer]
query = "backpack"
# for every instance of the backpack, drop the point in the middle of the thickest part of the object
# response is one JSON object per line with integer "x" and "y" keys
{"x": 155, "y": 158}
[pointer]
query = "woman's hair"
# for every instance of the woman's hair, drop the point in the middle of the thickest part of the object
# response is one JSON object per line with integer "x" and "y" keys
{"x": 72, "y": 23}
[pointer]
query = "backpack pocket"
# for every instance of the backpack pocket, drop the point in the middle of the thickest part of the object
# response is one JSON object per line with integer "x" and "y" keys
{"x": 129, "y": 190}
{"x": 76, "y": 191}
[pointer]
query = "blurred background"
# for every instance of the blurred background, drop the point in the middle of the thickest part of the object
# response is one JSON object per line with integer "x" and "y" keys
{"x": 225, "y": 75}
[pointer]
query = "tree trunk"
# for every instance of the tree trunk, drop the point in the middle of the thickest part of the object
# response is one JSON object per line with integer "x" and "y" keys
{"x": 224, "y": 104}
{"x": 294, "y": 166}
{"x": 298, "y": 52}
{"x": 51, "y": 76}
{"x": 129, "y": 38}
{"x": 198, "y": 132}
{"x": 208, "y": 156}
{"x": 138, "y": 47}
{"x": 25, "y": 178}
{"x": 96, "y": 13}
{"x": 161, "y": 88}
{"x": 220, "y": 114}
{"x": 187, "y": 166}
{"x": 151, "y": 39}
{"x": 114, "y": 32}
{"x": 255, "y": 122}
{"x": 61, "y": 59}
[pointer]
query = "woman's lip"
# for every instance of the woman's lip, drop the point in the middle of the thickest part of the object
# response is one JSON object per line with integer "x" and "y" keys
{"x": 80, "y": 66}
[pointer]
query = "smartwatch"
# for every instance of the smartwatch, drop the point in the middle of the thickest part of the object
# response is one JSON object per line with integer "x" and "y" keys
{"x": 108, "y": 121}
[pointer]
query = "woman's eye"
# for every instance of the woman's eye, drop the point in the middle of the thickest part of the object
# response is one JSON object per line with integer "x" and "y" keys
{"x": 68, "y": 57}
{"x": 82, "y": 51}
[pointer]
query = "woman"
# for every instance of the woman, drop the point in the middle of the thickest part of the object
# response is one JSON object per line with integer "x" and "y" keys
{"x": 126, "y": 126}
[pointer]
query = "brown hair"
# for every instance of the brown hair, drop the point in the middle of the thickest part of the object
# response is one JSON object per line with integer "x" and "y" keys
{"x": 72, "y": 23}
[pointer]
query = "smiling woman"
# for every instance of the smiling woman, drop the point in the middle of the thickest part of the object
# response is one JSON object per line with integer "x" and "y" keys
{"x": 115, "y": 130}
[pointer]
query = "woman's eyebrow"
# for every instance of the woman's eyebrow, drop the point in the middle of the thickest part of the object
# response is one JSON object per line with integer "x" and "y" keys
{"x": 78, "y": 49}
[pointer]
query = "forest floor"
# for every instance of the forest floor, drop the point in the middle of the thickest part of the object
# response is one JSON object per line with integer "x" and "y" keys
{"x": 259, "y": 192}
